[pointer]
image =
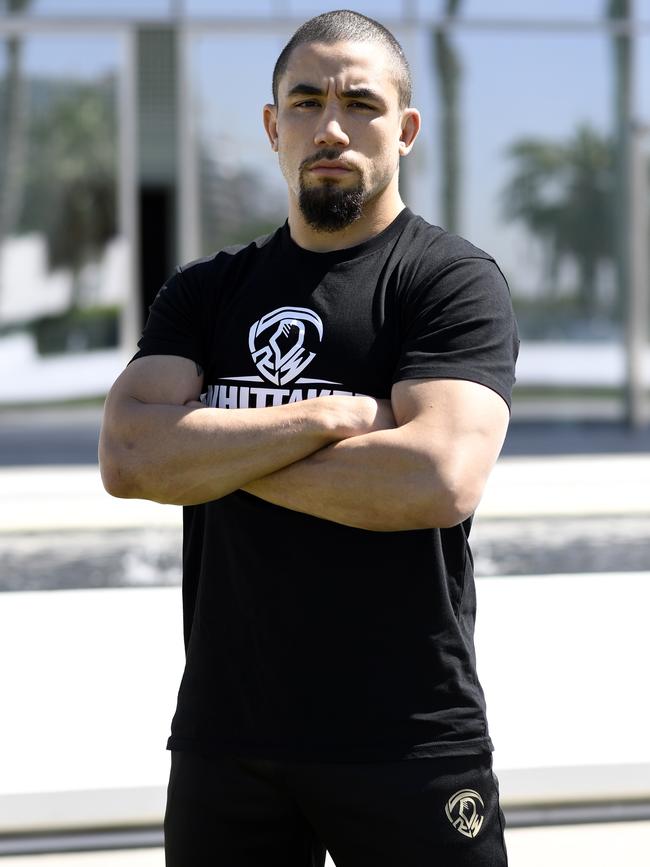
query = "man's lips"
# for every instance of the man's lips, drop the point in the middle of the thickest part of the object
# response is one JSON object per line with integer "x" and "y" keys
{"x": 329, "y": 168}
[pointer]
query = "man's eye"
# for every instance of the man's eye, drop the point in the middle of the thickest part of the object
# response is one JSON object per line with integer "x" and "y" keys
{"x": 306, "y": 103}
{"x": 362, "y": 105}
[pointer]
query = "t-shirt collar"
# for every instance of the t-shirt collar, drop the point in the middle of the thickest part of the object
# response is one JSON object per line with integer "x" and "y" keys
{"x": 333, "y": 257}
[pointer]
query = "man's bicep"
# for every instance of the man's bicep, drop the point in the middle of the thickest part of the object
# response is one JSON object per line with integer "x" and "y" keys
{"x": 161, "y": 379}
{"x": 463, "y": 418}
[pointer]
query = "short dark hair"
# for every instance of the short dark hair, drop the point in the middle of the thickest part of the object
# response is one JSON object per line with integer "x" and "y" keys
{"x": 343, "y": 25}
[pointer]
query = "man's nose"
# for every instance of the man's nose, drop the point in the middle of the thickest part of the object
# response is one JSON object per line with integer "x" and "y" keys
{"x": 330, "y": 130}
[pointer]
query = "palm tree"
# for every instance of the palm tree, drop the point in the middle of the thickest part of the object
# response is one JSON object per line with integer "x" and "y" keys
{"x": 71, "y": 181}
{"x": 449, "y": 70}
{"x": 14, "y": 127}
{"x": 563, "y": 193}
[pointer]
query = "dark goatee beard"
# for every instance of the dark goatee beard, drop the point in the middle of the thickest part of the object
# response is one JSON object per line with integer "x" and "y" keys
{"x": 327, "y": 208}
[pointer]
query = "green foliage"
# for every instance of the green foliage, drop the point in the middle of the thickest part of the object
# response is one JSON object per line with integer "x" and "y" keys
{"x": 235, "y": 208}
{"x": 71, "y": 171}
{"x": 548, "y": 317}
{"x": 79, "y": 329}
{"x": 15, "y": 6}
{"x": 563, "y": 192}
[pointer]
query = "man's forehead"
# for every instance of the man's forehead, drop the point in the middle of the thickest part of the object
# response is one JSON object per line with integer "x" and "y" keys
{"x": 349, "y": 63}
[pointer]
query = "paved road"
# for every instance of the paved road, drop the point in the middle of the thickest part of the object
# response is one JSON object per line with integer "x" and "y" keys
{"x": 49, "y": 437}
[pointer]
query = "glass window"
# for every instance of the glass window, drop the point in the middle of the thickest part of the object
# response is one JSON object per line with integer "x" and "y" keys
{"x": 233, "y": 8}
{"x": 535, "y": 153}
{"x": 531, "y": 146}
{"x": 643, "y": 144}
{"x": 86, "y": 9}
{"x": 242, "y": 193}
{"x": 379, "y": 9}
{"x": 540, "y": 9}
{"x": 643, "y": 84}
{"x": 307, "y": 8}
{"x": 63, "y": 262}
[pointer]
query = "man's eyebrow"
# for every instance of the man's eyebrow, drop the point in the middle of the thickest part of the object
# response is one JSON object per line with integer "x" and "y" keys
{"x": 308, "y": 89}
{"x": 362, "y": 93}
{"x": 303, "y": 89}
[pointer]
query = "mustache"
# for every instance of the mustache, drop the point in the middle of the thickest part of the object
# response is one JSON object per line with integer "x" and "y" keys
{"x": 325, "y": 154}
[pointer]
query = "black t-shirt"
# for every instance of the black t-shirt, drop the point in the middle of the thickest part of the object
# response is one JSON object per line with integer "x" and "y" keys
{"x": 307, "y": 639}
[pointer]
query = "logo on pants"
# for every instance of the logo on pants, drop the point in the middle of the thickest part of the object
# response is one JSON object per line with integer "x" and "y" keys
{"x": 464, "y": 811}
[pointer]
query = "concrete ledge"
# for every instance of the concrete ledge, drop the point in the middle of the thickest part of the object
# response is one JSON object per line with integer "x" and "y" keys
{"x": 578, "y": 784}
{"x": 521, "y": 487}
{"x": 34, "y": 499}
{"x": 532, "y": 789}
{"x": 35, "y": 812}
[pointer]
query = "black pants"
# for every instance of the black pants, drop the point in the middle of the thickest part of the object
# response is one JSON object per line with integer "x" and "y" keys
{"x": 235, "y": 812}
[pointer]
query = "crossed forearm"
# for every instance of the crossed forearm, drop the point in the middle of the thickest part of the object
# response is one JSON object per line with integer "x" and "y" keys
{"x": 381, "y": 481}
{"x": 339, "y": 458}
{"x": 185, "y": 455}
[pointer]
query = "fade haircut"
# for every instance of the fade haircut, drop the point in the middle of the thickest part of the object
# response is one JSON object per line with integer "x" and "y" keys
{"x": 343, "y": 25}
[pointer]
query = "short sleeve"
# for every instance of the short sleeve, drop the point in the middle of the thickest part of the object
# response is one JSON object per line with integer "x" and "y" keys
{"x": 175, "y": 322}
{"x": 459, "y": 324}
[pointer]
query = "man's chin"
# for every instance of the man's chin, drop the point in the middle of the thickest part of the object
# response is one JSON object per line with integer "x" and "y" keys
{"x": 330, "y": 206}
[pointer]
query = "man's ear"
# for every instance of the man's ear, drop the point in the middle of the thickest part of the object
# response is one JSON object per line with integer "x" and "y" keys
{"x": 411, "y": 123}
{"x": 270, "y": 118}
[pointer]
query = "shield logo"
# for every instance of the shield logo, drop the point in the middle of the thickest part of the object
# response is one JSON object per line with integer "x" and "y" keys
{"x": 280, "y": 342}
{"x": 464, "y": 811}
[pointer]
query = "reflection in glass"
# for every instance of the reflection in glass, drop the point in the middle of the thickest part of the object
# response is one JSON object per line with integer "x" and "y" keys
{"x": 234, "y": 8}
{"x": 382, "y": 10}
{"x": 642, "y": 55}
{"x": 242, "y": 194}
{"x": 62, "y": 262}
{"x": 641, "y": 137}
{"x": 538, "y": 177}
{"x": 576, "y": 10}
{"x": 87, "y": 8}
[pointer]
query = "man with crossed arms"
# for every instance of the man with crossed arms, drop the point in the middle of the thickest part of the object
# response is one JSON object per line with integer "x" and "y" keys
{"x": 326, "y": 403}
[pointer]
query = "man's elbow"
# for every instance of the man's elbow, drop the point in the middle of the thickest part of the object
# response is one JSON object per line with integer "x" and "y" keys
{"x": 118, "y": 478}
{"x": 451, "y": 514}
{"x": 129, "y": 473}
{"x": 435, "y": 508}
{"x": 121, "y": 466}
{"x": 445, "y": 498}
{"x": 454, "y": 503}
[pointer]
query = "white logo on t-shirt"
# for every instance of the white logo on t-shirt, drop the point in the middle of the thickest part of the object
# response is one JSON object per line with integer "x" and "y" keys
{"x": 281, "y": 342}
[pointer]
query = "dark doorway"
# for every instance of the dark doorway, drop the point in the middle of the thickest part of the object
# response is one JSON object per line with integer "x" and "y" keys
{"x": 156, "y": 242}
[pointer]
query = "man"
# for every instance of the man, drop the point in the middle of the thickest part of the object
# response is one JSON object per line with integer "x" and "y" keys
{"x": 327, "y": 403}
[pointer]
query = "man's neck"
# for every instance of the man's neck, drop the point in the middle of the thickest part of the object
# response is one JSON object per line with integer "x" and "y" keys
{"x": 373, "y": 221}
